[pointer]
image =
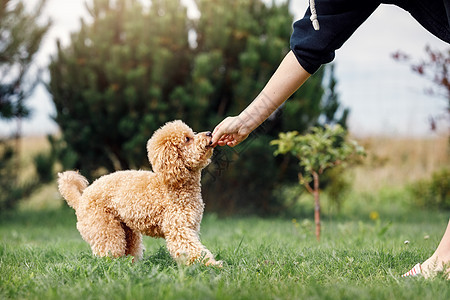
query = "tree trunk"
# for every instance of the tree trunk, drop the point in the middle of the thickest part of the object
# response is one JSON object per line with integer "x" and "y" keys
{"x": 316, "y": 204}
{"x": 17, "y": 150}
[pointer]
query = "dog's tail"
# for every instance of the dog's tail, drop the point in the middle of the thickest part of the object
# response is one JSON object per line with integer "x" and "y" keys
{"x": 71, "y": 185}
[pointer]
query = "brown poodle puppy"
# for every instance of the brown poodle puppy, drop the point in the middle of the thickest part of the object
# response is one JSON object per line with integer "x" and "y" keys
{"x": 115, "y": 210}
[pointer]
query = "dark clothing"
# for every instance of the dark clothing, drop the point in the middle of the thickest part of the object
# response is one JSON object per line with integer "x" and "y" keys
{"x": 340, "y": 18}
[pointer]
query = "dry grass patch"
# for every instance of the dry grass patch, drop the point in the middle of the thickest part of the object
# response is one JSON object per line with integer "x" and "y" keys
{"x": 395, "y": 162}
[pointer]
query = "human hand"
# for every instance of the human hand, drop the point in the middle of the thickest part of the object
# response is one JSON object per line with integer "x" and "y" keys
{"x": 231, "y": 131}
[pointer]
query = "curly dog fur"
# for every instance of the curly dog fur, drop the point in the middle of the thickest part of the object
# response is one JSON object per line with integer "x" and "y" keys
{"x": 116, "y": 209}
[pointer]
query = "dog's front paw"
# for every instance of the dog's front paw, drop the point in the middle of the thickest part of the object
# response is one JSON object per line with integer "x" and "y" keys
{"x": 214, "y": 263}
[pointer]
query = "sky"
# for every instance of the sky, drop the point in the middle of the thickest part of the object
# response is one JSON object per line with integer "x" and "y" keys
{"x": 384, "y": 96}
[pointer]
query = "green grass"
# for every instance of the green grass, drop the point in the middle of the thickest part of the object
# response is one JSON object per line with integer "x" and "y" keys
{"x": 42, "y": 256}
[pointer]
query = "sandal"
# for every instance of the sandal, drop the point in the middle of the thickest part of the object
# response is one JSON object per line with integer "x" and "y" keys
{"x": 415, "y": 271}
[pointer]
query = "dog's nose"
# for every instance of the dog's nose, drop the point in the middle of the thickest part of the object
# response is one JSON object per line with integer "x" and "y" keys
{"x": 209, "y": 134}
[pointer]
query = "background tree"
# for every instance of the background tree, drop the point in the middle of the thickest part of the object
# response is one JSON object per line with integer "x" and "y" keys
{"x": 331, "y": 110}
{"x": 21, "y": 34}
{"x": 322, "y": 149}
{"x": 434, "y": 67}
{"x": 20, "y": 38}
{"x": 133, "y": 68}
{"x": 433, "y": 192}
{"x": 117, "y": 82}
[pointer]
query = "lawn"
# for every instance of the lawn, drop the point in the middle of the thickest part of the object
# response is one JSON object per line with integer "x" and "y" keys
{"x": 42, "y": 256}
{"x": 361, "y": 255}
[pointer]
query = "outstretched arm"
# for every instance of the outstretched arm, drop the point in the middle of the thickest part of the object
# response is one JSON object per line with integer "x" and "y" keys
{"x": 289, "y": 76}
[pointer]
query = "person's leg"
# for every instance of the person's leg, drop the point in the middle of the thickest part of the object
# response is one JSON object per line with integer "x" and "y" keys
{"x": 436, "y": 262}
{"x": 440, "y": 258}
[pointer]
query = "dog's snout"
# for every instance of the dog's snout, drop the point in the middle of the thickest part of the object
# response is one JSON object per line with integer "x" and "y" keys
{"x": 209, "y": 134}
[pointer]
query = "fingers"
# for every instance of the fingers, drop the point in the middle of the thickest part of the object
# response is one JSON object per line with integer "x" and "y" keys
{"x": 220, "y": 134}
{"x": 222, "y": 140}
{"x": 227, "y": 133}
{"x": 232, "y": 143}
{"x": 216, "y": 136}
{"x": 228, "y": 140}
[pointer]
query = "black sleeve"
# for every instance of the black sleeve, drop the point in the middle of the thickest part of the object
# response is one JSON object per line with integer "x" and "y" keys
{"x": 338, "y": 20}
{"x": 433, "y": 15}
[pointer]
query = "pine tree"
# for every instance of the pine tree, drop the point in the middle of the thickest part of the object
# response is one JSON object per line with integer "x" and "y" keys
{"x": 20, "y": 37}
{"x": 133, "y": 68}
{"x": 114, "y": 85}
{"x": 332, "y": 112}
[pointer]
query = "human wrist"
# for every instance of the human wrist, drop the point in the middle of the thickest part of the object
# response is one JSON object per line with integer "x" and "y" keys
{"x": 248, "y": 122}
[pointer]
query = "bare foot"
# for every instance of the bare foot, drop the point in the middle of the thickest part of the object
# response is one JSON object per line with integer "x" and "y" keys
{"x": 434, "y": 265}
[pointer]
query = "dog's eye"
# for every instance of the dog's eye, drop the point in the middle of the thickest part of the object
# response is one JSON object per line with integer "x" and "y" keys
{"x": 188, "y": 139}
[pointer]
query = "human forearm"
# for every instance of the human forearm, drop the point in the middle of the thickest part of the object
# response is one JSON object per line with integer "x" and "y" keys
{"x": 289, "y": 76}
{"x": 284, "y": 82}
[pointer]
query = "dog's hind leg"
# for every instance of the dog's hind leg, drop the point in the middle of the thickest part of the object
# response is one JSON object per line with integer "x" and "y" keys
{"x": 134, "y": 243}
{"x": 104, "y": 233}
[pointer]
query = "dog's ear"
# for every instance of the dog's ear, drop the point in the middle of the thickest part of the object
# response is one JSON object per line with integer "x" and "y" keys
{"x": 167, "y": 160}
